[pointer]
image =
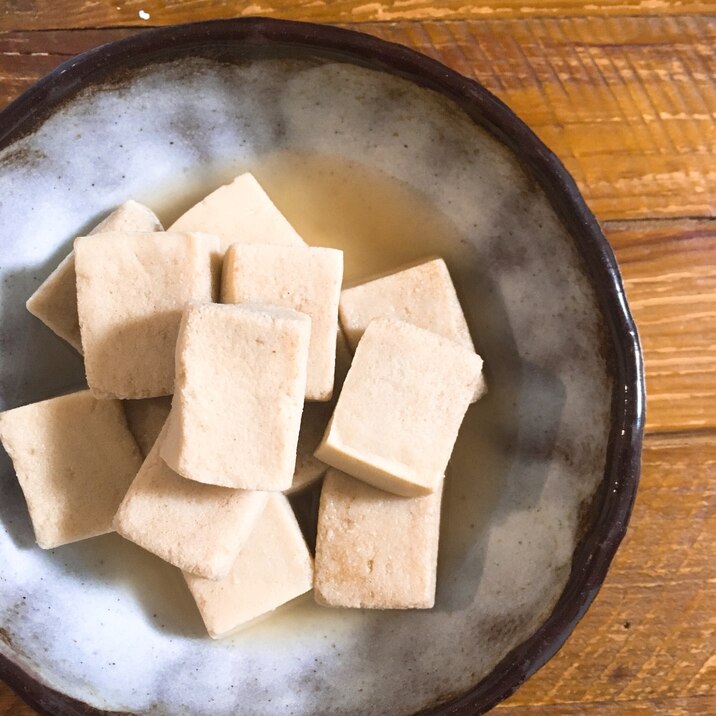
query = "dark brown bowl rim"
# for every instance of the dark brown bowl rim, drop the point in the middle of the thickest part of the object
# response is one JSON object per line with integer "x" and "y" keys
{"x": 593, "y": 555}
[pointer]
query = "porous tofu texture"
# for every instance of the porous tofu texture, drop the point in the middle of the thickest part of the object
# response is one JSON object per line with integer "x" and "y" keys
{"x": 75, "y": 459}
{"x": 304, "y": 278}
{"x": 241, "y": 378}
{"x": 55, "y": 299}
{"x": 375, "y": 550}
{"x": 131, "y": 291}
{"x": 273, "y": 567}
{"x": 146, "y": 419}
{"x": 240, "y": 212}
{"x": 423, "y": 295}
{"x": 198, "y": 528}
{"x": 398, "y": 415}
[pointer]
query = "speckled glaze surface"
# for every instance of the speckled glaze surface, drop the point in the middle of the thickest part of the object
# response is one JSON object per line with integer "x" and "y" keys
{"x": 544, "y": 474}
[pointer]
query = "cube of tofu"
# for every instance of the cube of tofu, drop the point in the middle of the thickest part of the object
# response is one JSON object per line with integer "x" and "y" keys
{"x": 241, "y": 378}
{"x": 239, "y": 212}
{"x": 375, "y": 550}
{"x": 55, "y": 299}
{"x": 131, "y": 291}
{"x": 398, "y": 415}
{"x": 304, "y": 278}
{"x": 146, "y": 419}
{"x": 273, "y": 567}
{"x": 423, "y": 295}
{"x": 75, "y": 459}
{"x": 198, "y": 528}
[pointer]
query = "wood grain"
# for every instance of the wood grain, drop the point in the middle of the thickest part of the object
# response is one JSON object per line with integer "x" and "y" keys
{"x": 669, "y": 269}
{"x": 689, "y": 706}
{"x": 651, "y": 633}
{"x": 43, "y": 15}
{"x": 628, "y": 104}
{"x": 624, "y": 92}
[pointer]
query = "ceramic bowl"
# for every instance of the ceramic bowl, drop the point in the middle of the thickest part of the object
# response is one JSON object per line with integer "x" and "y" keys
{"x": 348, "y": 132}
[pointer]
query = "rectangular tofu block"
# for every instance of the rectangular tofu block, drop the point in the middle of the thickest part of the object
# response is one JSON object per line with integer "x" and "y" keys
{"x": 398, "y": 415}
{"x": 198, "y": 528}
{"x": 304, "y": 278}
{"x": 131, "y": 291}
{"x": 241, "y": 378}
{"x": 273, "y": 567}
{"x": 55, "y": 300}
{"x": 75, "y": 459}
{"x": 375, "y": 550}
{"x": 423, "y": 295}
{"x": 239, "y": 212}
{"x": 146, "y": 419}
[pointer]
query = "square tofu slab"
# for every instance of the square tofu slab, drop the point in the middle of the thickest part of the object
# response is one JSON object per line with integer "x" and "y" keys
{"x": 375, "y": 550}
{"x": 401, "y": 407}
{"x": 55, "y": 300}
{"x": 240, "y": 212}
{"x": 198, "y": 528}
{"x": 273, "y": 567}
{"x": 423, "y": 295}
{"x": 146, "y": 419}
{"x": 304, "y": 278}
{"x": 241, "y": 378}
{"x": 75, "y": 459}
{"x": 131, "y": 291}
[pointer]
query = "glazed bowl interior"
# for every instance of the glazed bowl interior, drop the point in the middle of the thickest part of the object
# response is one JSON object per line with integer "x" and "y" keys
{"x": 374, "y": 149}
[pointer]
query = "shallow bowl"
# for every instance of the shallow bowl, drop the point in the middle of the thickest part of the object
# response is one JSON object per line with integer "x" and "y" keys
{"x": 369, "y": 146}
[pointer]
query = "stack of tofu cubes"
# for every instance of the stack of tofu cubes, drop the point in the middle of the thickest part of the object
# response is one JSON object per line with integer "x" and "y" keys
{"x": 266, "y": 400}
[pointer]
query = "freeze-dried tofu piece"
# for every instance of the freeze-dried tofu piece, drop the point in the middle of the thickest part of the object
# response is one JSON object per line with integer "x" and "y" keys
{"x": 241, "y": 378}
{"x": 305, "y": 278}
{"x": 198, "y": 528}
{"x": 131, "y": 291}
{"x": 273, "y": 567}
{"x": 375, "y": 550}
{"x": 55, "y": 299}
{"x": 75, "y": 459}
{"x": 423, "y": 295}
{"x": 239, "y": 212}
{"x": 398, "y": 415}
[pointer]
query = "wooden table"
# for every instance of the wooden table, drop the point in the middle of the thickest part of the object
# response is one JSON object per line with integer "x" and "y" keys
{"x": 625, "y": 92}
